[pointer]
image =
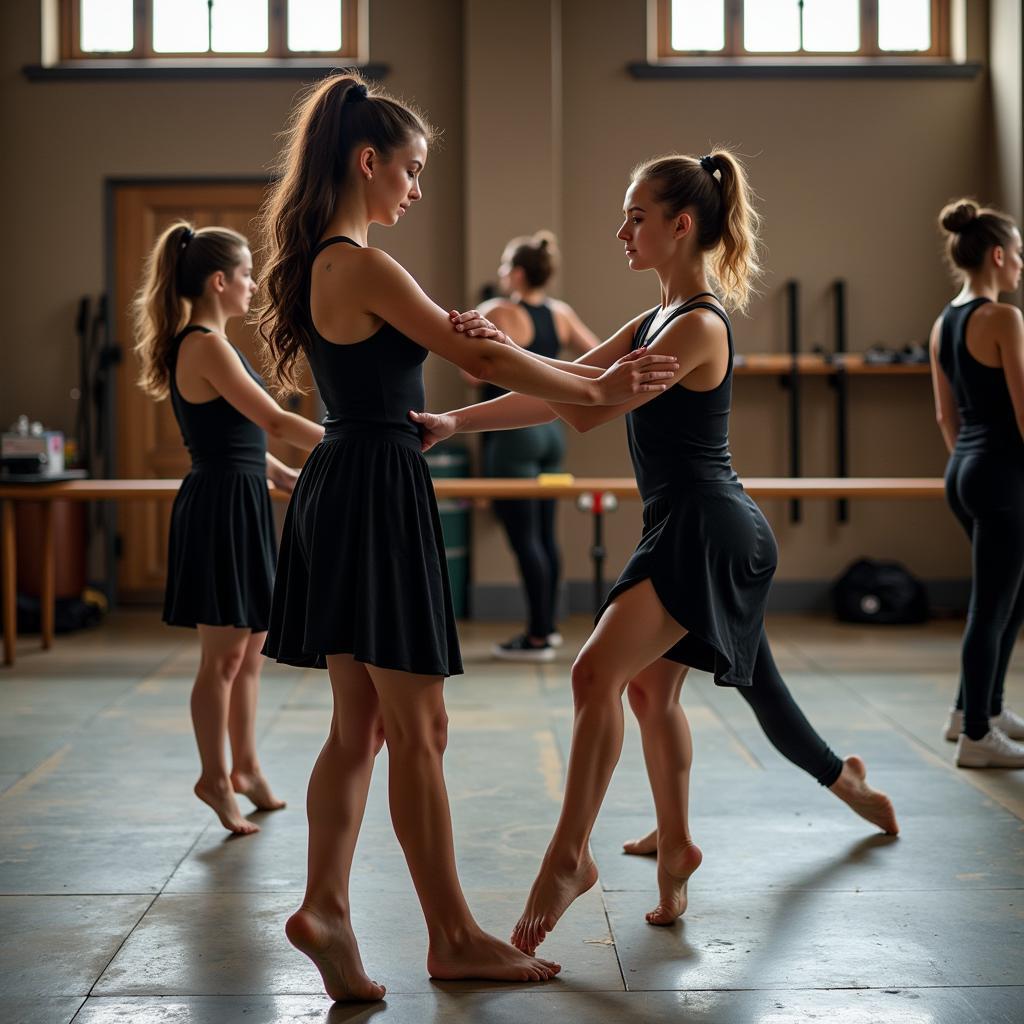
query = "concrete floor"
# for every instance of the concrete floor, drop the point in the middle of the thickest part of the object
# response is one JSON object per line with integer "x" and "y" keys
{"x": 122, "y": 900}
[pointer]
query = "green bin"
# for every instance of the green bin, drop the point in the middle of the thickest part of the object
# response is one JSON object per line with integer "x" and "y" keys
{"x": 453, "y": 461}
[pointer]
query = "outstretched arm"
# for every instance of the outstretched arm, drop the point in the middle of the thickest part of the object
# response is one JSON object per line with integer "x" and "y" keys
{"x": 393, "y": 295}
{"x": 1011, "y": 353}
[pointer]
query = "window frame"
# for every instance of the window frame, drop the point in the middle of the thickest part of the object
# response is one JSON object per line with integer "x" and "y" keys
{"x": 734, "y": 51}
{"x": 277, "y": 48}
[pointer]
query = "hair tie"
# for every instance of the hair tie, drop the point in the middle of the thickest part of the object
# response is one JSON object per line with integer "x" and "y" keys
{"x": 186, "y": 238}
{"x": 710, "y": 164}
{"x": 356, "y": 93}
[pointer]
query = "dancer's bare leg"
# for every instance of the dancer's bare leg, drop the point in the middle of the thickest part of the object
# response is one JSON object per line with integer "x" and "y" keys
{"x": 246, "y": 774}
{"x": 335, "y": 802}
{"x": 416, "y": 732}
{"x": 634, "y": 631}
{"x": 668, "y": 754}
{"x": 222, "y": 653}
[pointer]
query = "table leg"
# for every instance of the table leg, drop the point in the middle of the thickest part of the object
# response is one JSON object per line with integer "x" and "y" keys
{"x": 47, "y": 597}
{"x": 10, "y": 582}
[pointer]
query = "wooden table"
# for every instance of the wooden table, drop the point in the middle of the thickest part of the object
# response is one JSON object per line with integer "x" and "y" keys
{"x": 596, "y": 487}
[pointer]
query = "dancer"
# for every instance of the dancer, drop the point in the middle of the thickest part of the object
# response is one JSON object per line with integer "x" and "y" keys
{"x": 361, "y": 587}
{"x": 222, "y": 546}
{"x": 977, "y": 357}
{"x": 543, "y": 326}
{"x": 694, "y": 591}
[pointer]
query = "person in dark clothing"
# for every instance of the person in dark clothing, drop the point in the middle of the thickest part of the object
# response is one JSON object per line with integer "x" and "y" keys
{"x": 694, "y": 591}
{"x": 977, "y": 357}
{"x": 544, "y": 326}
{"x": 222, "y": 546}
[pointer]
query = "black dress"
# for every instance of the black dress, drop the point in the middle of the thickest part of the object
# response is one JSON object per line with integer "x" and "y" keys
{"x": 221, "y": 552}
{"x": 362, "y": 568}
{"x": 706, "y": 547}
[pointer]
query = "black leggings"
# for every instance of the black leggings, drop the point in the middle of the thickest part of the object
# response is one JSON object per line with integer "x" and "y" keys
{"x": 986, "y": 493}
{"x": 784, "y": 723}
{"x": 530, "y": 526}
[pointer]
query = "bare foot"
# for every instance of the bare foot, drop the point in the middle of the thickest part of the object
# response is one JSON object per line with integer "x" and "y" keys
{"x": 675, "y": 866}
{"x": 331, "y": 945}
{"x": 642, "y": 847}
{"x": 869, "y": 803}
{"x": 256, "y": 788}
{"x": 553, "y": 891}
{"x": 219, "y": 795}
{"x": 484, "y": 956}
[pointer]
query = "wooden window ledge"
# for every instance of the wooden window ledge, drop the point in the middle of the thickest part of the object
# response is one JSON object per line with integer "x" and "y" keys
{"x": 804, "y": 67}
{"x": 199, "y": 67}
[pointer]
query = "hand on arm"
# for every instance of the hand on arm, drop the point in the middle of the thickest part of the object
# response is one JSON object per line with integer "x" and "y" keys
{"x": 221, "y": 367}
{"x": 946, "y": 414}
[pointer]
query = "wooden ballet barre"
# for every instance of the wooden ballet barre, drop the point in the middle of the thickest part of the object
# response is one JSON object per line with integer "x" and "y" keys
{"x": 810, "y": 364}
{"x": 596, "y": 487}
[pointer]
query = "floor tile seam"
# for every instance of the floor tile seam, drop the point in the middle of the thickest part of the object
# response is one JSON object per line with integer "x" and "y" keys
{"x": 950, "y": 768}
{"x": 745, "y": 752}
{"x": 81, "y": 1006}
{"x": 121, "y": 945}
{"x": 781, "y": 889}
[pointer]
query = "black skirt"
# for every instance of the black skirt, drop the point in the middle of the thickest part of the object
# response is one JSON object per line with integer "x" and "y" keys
{"x": 362, "y": 568}
{"x": 710, "y": 555}
{"x": 221, "y": 551}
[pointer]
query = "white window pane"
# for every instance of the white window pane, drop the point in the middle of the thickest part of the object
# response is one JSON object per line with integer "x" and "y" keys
{"x": 239, "y": 26}
{"x": 904, "y": 24}
{"x": 107, "y": 26}
{"x": 314, "y": 25}
{"x": 771, "y": 26}
{"x": 698, "y": 25}
{"x": 832, "y": 26}
{"x": 181, "y": 26}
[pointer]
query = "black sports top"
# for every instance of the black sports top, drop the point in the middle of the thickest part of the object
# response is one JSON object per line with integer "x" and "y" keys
{"x": 987, "y": 419}
{"x": 216, "y": 434}
{"x": 545, "y": 341}
{"x": 371, "y": 383}
{"x": 682, "y": 436}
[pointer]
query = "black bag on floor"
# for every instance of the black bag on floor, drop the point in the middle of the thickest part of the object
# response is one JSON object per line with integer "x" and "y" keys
{"x": 879, "y": 592}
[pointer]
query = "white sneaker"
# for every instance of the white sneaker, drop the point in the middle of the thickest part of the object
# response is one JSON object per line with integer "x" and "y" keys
{"x": 1006, "y": 721}
{"x": 1009, "y": 722}
{"x": 954, "y": 725}
{"x": 556, "y": 640}
{"x": 994, "y": 750}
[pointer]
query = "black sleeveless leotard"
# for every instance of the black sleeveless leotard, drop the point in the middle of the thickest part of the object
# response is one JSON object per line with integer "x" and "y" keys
{"x": 706, "y": 547}
{"x": 222, "y": 548}
{"x": 362, "y": 568}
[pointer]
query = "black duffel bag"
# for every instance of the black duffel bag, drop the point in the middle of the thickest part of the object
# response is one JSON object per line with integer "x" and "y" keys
{"x": 879, "y": 592}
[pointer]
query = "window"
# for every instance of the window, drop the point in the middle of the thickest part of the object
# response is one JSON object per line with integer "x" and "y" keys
{"x": 173, "y": 29}
{"x": 799, "y": 28}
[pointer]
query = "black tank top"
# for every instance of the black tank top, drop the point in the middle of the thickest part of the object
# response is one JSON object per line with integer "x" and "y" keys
{"x": 370, "y": 384}
{"x": 682, "y": 436}
{"x": 987, "y": 419}
{"x": 216, "y": 434}
{"x": 545, "y": 341}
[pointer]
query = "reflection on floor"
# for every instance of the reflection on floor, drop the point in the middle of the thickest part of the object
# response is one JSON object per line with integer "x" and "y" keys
{"x": 122, "y": 900}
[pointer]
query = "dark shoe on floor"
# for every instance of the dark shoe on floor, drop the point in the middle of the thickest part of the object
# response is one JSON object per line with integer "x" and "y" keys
{"x": 520, "y": 649}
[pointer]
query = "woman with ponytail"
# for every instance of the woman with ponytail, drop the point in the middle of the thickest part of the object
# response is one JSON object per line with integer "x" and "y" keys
{"x": 977, "y": 356}
{"x": 362, "y": 588}
{"x": 544, "y": 326}
{"x": 694, "y": 592}
{"x": 222, "y": 548}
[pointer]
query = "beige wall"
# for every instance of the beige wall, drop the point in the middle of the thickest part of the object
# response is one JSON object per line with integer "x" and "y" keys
{"x": 850, "y": 175}
{"x": 1007, "y": 79}
{"x": 63, "y": 140}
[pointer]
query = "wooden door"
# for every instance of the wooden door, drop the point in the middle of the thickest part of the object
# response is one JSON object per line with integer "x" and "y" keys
{"x": 148, "y": 439}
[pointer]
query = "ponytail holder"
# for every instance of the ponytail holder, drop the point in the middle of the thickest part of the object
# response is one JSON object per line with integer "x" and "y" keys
{"x": 356, "y": 93}
{"x": 186, "y": 238}
{"x": 710, "y": 164}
